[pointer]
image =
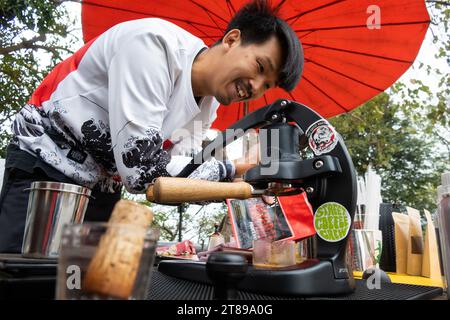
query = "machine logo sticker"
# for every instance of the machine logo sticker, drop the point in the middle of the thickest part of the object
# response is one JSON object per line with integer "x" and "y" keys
{"x": 322, "y": 137}
{"x": 332, "y": 221}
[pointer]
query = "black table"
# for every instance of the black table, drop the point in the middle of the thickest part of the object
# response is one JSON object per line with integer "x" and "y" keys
{"x": 22, "y": 278}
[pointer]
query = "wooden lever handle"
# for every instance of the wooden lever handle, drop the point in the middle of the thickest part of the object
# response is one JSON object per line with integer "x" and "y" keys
{"x": 176, "y": 190}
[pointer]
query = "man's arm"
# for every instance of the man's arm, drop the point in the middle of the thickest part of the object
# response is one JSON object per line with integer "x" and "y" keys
{"x": 140, "y": 84}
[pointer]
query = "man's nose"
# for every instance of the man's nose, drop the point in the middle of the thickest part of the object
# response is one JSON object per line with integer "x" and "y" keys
{"x": 258, "y": 87}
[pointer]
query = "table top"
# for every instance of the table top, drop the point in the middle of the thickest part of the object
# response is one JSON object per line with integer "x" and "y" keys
{"x": 29, "y": 275}
{"x": 164, "y": 287}
{"x": 407, "y": 279}
{"x": 18, "y": 258}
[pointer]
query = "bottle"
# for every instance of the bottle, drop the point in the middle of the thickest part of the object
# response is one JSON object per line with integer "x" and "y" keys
{"x": 216, "y": 238}
{"x": 444, "y": 226}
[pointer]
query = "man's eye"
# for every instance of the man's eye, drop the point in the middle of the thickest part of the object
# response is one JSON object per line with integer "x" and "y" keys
{"x": 261, "y": 67}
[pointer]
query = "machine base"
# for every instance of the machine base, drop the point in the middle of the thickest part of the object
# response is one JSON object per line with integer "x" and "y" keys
{"x": 169, "y": 288}
{"x": 310, "y": 278}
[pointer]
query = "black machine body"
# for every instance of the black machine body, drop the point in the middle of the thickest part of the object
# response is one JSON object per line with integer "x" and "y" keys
{"x": 288, "y": 132}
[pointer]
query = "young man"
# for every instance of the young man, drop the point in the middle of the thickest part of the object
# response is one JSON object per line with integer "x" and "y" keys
{"x": 104, "y": 117}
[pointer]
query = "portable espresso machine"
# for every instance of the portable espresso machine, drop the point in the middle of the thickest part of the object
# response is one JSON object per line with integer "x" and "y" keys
{"x": 328, "y": 178}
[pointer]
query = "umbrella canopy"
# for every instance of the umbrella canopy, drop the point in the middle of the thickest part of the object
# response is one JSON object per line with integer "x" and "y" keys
{"x": 354, "y": 49}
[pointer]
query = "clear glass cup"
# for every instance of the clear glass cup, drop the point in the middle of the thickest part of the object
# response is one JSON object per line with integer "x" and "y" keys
{"x": 273, "y": 254}
{"x": 283, "y": 253}
{"x": 262, "y": 250}
{"x": 101, "y": 261}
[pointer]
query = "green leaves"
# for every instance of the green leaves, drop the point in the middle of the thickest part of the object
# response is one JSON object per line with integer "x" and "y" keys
{"x": 38, "y": 15}
{"x": 401, "y": 144}
{"x": 33, "y": 38}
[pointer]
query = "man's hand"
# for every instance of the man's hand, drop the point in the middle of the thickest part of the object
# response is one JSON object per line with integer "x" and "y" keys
{"x": 248, "y": 161}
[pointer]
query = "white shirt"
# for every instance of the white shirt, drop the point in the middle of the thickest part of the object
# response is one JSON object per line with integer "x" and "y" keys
{"x": 101, "y": 115}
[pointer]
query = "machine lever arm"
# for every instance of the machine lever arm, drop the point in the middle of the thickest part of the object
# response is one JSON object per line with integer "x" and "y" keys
{"x": 171, "y": 190}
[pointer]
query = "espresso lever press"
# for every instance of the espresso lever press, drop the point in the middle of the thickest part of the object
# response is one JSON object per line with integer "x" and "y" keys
{"x": 290, "y": 131}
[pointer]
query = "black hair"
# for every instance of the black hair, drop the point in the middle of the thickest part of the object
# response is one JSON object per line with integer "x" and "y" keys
{"x": 258, "y": 22}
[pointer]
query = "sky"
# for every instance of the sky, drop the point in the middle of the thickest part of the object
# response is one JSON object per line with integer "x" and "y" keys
{"x": 426, "y": 56}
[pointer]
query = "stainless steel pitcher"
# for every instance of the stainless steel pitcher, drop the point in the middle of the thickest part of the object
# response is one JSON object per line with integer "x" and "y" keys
{"x": 51, "y": 205}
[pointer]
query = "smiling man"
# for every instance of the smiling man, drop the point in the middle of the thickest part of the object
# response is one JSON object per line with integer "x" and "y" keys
{"x": 259, "y": 51}
{"x": 104, "y": 117}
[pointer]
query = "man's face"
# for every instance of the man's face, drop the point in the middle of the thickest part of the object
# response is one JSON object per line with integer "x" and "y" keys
{"x": 246, "y": 71}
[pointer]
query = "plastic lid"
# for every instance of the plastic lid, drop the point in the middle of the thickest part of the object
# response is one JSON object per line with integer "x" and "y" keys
{"x": 440, "y": 192}
{"x": 444, "y": 189}
{"x": 445, "y": 179}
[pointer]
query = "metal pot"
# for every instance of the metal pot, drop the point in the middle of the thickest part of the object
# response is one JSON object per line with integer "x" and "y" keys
{"x": 51, "y": 205}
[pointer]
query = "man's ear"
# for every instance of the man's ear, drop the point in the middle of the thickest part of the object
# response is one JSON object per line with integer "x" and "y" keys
{"x": 232, "y": 38}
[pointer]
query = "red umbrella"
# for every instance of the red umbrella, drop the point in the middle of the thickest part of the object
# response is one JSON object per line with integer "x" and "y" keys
{"x": 354, "y": 49}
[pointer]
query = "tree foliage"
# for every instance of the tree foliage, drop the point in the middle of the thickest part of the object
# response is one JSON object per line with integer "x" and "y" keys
{"x": 437, "y": 115}
{"x": 408, "y": 160}
{"x": 404, "y": 133}
{"x": 34, "y": 36}
{"x": 197, "y": 221}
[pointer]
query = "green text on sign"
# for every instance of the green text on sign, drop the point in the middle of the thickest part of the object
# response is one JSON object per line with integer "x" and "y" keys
{"x": 332, "y": 221}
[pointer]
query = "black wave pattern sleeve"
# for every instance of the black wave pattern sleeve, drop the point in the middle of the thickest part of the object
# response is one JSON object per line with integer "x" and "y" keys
{"x": 147, "y": 157}
{"x": 97, "y": 141}
{"x": 28, "y": 122}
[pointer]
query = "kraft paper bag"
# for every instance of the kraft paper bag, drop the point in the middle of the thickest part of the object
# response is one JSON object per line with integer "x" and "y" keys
{"x": 401, "y": 222}
{"x": 415, "y": 243}
{"x": 430, "y": 262}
